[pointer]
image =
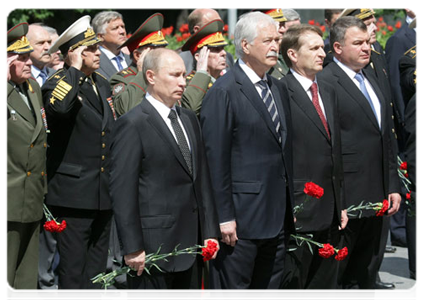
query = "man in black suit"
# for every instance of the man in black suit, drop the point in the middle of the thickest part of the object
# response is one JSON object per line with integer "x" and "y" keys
{"x": 160, "y": 182}
{"x": 369, "y": 162}
{"x": 246, "y": 129}
{"x": 316, "y": 158}
{"x": 110, "y": 28}
{"x": 80, "y": 117}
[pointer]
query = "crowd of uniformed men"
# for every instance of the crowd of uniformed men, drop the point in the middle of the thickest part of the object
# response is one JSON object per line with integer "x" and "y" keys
{"x": 139, "y": 147}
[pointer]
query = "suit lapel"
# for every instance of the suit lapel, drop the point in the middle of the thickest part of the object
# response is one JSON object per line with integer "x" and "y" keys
{"x": 301, "y": 98}
{"x": 328, "y": 104}
{"x": 355, "y": 93}
{"x": 37, "y": 111}
{"x": 157, "y": 122}
{"x": 250, "y": 92}
{"x": 380, "y": 97}
{"x": 15, "y": 100}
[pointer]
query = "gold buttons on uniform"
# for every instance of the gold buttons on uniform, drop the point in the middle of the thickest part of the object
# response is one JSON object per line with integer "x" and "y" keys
{"x": 42, "y": 173}
{"x": 393, "y": 130}
{"x": 28, "y": 174}
{"x": 103, "y": 157}
{"x": 103, "y": 133}
{"x": 32, "y": 145}
{"x": 103, "y": 145}
{"x": 102, "y": 169}
{"x": 45, "y": 145}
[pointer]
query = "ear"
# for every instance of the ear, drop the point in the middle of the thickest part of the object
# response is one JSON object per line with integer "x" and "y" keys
{"x": 150, "y": 77}
{"x": 136, "y": 54}
{"x": 292, "y": 54}
{"x": 197, "y": 55}
{"x": 245, "y": 46}
{"x": 337, "y": 47}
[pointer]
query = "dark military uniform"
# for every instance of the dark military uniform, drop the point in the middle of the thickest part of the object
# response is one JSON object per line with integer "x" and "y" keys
{"x": 407, "y": 67}
{"x": 26, "y": 170}
{"x": 280, "y": 69}
{"x": 81, "y": 116}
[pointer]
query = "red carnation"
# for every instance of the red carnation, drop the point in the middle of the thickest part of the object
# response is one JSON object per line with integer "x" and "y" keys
{"x": 326, "y": 251}
{"x": 184, "y": 28}
{"x": 53, "y": 226}
{"x": 408, "y": 196}
{"x": 62, "y": 226}
{"x": 403, "y": 166}
{"x": 385, "y": 206}
{"x": 342, "y": 253}
{"x": 311, "y": 22}
{"x": 209, "y": 250}
{"x": 313, "y": 190}
{"x": 398, "y": 25}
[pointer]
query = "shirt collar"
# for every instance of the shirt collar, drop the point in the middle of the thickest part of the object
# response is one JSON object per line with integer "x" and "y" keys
{"x": 351, "y": 73}
{"x": 110, "y": 54}
{"x": 305, "y": 82}
{"x": 161, "y": 108}
{"x": 250, "y": 72}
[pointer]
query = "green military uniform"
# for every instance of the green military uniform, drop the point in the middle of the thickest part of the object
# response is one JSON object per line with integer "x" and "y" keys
{"x": 280, "y": 69}
{"x": 409, "y": 66}
{"x": 26, "y": 171}
{"x": 198, "y": 83}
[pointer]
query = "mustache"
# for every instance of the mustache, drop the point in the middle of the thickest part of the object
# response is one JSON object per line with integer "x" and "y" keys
{"x": 272, "y": 54}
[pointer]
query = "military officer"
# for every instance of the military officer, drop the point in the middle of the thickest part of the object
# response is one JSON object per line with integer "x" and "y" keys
{"x": 128, "y": 85}
{"x": 207, "y": 41}
{"x": 26, "y": 162}
{"x": 81, "y": 116}
{"x": 280, "y": 69}
{"x": 409, "y": 66}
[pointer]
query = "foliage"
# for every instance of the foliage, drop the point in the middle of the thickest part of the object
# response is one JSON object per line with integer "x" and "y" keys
{"x": 26, "y": 15}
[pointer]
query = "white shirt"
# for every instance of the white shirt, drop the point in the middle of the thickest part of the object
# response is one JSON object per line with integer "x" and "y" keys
{"x": 253, "y": 76}
{"x": 306, "y": 84}
{"x": 164, "y": 111}
{"x": 111, "y": 57}
{"x": 375, "y": 100}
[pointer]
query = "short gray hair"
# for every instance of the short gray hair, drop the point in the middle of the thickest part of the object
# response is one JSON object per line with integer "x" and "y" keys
{"x": 100, "y": 21}
{"x": 290, "y": 14}
{"x": 339, "y": 28}
{"x": 247, "y": 28}
{"x": 152, "y": 61}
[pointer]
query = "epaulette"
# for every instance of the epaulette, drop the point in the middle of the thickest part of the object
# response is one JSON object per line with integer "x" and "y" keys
{"x": 411, "y": 52}
{"x": 127, "y": 72}
{"x": 190, "y": 75}
{"x": 56, "y": 75}
{"x": 101, "y": 75}
{"x": 373, "y": 50}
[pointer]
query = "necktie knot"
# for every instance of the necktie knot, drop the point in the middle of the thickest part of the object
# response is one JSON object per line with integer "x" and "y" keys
{"x": 172, "y": 115}
{"x": 43, "y": 76}
{"x": 359, "y": 77}
{"x": 118, "y": 60}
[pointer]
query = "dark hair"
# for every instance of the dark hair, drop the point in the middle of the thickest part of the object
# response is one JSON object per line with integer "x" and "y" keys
{"x": 339, "y": 28}
{"x": 291, "y": 39}
{"x": 330, "y": 12}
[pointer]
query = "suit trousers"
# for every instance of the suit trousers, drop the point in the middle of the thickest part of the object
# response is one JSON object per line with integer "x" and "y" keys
{"x": 308, "y": 270}
{"x": 22, "y": 254}
{"x": 251, "y": 264}
{"x": 48, "y": 256}
{"x": 362, "y": 238}
{"x": 82, "y": 246}
{"x": 188, "y": 279}
{"x": 413, "y": 242}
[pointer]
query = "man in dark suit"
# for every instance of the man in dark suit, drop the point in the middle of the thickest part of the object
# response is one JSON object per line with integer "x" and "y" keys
{"x": 81, "y": 118}
{"x": 109, "y": 26}
{"x": 369, "y": 162}
{"x": 160, "y": 182}
{"x": 26, "y": 162}
{"x": 316, "y": 158}
{"x": 246, "y": 129}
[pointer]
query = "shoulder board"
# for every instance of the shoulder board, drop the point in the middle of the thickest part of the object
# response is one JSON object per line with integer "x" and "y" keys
{"x": 57, "y": 75}
{"x": 190, "y": 75}
{"x": 411, "y": 52}
{"x": 128, "y": 72}
{"x": 101, "y": 75}
{"x": 373, "y": 50}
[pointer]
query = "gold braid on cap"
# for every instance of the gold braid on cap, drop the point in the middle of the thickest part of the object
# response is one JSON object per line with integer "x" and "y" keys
{"x": 89, "y": 34}
{"x": 20, "y": 45}
{"x": 211, "y": 39}
{"x": 365, "y": 13}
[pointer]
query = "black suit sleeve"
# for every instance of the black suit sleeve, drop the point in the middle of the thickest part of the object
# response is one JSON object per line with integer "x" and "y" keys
{"x": 126, "y": 156}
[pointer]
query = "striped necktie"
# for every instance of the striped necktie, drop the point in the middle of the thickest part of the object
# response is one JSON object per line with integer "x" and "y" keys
{"x": 271, "y": 106}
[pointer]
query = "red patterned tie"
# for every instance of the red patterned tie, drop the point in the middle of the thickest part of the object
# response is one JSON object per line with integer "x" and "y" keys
{"x": 315, "y": 100}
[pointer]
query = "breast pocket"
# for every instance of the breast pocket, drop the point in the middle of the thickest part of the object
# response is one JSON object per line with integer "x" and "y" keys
{"x": 246, "y": 187}
{"x": 69, "y": 169}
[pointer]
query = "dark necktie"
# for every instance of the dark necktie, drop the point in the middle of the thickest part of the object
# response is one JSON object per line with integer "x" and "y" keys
{"x": 267, "y": 98}
{"x": 315, "y": 100}
{"x": 359, "y": 77}
{"x": 118, "y": 59}
{"x": 180, "y": 137}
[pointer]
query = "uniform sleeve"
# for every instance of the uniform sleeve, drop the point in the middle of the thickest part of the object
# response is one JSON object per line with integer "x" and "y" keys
{"x": 127, "y": 92}
{"x": 192, "y": 98}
